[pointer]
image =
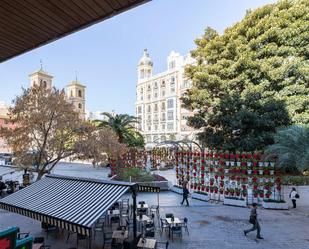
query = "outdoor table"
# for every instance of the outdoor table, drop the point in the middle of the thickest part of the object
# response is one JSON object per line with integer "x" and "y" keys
{"x": 120, "y": 235}
{"x": 170, "y": 222}
{"x": 144, "y": 218}
{"x": 139, "y": 206}
{"x": 37, "y": 245}
{"x": 147, "y": 243}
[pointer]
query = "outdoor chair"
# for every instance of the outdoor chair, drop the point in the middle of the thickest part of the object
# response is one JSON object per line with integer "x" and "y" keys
{"x": 149, "y": 230}
{"x": 169, "y": 215}
{"x": 107, "y": 239}
{"x": 176, "y": 230}
{"x": 184, "y": 224}
{"x": 154, "y": 209}
{"x": 162, "y": 245}
{"x": 163, "y": 225}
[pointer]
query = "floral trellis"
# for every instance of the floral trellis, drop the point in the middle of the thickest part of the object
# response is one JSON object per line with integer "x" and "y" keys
{"x": 224, "y": 174}
{"x": 132, "y": 158}
{"x": 162, "y": 157}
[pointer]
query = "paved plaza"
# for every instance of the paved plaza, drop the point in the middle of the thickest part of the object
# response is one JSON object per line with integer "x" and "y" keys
{"x": 211, "y": 225}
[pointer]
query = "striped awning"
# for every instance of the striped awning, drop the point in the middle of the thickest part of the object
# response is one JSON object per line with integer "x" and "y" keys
{"x": 66, "y": 202}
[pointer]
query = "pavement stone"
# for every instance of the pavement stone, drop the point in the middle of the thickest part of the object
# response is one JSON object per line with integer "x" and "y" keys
{"x": 211, "y": 226}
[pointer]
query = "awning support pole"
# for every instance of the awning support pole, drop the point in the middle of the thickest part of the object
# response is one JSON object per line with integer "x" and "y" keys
{"x": 134, "y": 194}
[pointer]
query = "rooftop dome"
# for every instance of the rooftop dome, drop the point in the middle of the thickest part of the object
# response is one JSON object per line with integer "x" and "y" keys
{"x": 145, "y": 60}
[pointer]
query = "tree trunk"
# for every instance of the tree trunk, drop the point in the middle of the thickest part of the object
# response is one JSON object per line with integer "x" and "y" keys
{"x": 40, "y": 174}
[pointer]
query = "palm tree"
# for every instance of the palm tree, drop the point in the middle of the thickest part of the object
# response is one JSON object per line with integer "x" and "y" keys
{"x": 291, "y": 148}
{"x": 123, "y": 125}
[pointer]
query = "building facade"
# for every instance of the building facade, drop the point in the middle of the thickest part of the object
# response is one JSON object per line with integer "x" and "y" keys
{"x": 158, "y": 104}
{"x": 75, "y": 91}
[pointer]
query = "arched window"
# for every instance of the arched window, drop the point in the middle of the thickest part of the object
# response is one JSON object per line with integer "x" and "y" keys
{"x": 44, "y": 84}
{"x": 80, "y": 106}
{"x": 71, "y": 93}
{"x": 80, "y": 93}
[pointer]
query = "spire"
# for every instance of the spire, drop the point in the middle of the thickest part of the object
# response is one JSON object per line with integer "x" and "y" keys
{"x": 145, "y": 60}
{"x": 41, "y": 63}
{"x": 76, "y": 75}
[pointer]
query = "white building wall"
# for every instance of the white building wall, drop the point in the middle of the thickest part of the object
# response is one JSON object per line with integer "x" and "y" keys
{"x": 158, "y": 102}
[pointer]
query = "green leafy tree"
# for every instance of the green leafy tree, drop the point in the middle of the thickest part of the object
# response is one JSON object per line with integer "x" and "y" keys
{"x": 124, "y": 127}
{"x": 252, "y": 79}
{"x": 291, "y": 148}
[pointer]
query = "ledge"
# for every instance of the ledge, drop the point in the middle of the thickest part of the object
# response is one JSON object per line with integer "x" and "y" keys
{"x": 234, "y": 202}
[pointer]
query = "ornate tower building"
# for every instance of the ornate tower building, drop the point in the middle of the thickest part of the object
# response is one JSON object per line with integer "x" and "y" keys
{"x": 145, "y": 67}
{"x": 41, "y": 77}
{"x": 75, "y": 92}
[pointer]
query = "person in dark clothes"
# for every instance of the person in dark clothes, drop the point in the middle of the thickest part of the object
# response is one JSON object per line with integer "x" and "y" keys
{"x": 254, "y": 221}
{"x": 185, "y": 194}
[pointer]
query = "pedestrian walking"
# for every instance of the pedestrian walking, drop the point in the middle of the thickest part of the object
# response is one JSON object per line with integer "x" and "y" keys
{"x": 185, "y": 193}
{"x": 254, "y": 221}
{"x": 293, "y": 196}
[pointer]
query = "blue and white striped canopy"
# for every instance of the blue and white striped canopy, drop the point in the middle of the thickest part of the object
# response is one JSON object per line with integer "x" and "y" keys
{"x": 67, "y": 202}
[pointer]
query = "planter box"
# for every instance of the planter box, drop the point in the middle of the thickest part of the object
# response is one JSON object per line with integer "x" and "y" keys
{"x": 275, "y": 205}
{"x": 233, "y": 202}
{"x": 177, "y": 190}
{"x": 200, "y": 197}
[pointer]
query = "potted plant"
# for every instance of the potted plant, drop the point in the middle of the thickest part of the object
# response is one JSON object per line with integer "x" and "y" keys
{"x": 216, "y": 189}
{"x": 275, "y": 204}
{"x": 202, "y": 196}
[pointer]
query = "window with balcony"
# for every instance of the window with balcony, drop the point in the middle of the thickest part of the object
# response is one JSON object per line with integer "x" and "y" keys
{"x": 163, "y": 117}
{"x": 173, "y": 84}
{"x": 149, "y": 108}
{"x": 163, "y": 127}
{"x": 156, "y": 107}
{"x": 163, "y": 106}
{"x": 155, "y": 118}
{"x": 139, "y": 110}
{"x": 141, "y": 93}
{"x": 162, "y": 84}
{"x": 155, "y": 86}
{"x": 170, "y": 126}
{"x": 170, "y": 115}
{"x": 170, "y": 103}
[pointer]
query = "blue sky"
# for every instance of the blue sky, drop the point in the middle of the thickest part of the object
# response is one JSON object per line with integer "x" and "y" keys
{"x": 105, "y": 55}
